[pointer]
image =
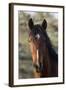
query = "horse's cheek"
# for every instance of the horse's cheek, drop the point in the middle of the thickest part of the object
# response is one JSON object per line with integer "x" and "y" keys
{"x": 34, "y": 55}
{"x": 33, "y": 51}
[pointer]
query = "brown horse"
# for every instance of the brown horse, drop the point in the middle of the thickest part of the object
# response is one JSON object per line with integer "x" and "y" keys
{"x": 45, "y": 59}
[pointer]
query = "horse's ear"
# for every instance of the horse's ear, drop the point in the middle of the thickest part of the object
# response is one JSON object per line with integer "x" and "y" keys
{"x": 44, "y": 24}
{"x": 30, "y": 23}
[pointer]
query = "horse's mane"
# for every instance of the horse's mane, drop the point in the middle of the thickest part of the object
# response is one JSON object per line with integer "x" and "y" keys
{"x": 51, "y": 50}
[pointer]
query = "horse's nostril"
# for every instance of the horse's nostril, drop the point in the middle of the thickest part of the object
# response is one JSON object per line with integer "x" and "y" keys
{"x": 37, "y": 68}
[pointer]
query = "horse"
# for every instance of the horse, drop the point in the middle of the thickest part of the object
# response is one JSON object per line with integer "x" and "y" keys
{"x": 44, "y": 57}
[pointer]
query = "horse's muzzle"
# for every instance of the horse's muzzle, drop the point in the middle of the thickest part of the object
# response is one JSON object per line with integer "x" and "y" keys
{"x": 37, "y": 68}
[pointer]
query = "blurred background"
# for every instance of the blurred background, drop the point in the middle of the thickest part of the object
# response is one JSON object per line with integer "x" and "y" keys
{"x": 25, "y": 59}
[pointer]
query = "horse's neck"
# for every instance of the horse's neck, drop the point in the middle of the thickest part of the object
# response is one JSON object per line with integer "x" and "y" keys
{"x": 46, "y": 60}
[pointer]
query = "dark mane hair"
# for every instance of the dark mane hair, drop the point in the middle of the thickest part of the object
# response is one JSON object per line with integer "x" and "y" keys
{"x": 50, "y": 48}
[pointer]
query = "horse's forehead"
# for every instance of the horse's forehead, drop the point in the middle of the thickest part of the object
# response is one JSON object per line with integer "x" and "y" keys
{"x": 38, "y": 36}
{"x": 37, "y": 27}
{"x": 36, "y": 32}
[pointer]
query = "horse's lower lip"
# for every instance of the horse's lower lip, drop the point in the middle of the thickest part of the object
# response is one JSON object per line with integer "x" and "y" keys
{"x": 37, "y": 70}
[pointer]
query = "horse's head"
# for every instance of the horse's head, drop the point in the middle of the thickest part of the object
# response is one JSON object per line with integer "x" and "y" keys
{"x": 37, "y": 43}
